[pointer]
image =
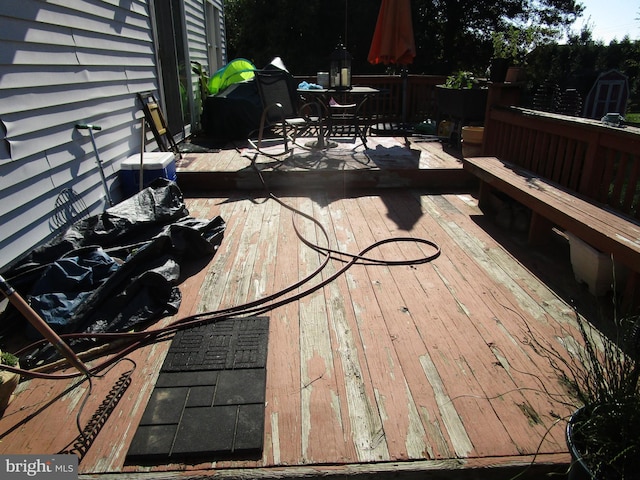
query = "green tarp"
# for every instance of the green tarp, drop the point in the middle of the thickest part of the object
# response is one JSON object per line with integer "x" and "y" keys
{"x": 237, "y": 70}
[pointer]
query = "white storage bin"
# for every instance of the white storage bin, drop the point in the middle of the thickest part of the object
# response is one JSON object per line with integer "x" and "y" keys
{"x": 594, "y": 268}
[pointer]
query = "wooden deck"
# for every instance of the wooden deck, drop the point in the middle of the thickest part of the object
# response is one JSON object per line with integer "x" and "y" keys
{"x": 407, "y": 371}
{"x": 386, "y": 162}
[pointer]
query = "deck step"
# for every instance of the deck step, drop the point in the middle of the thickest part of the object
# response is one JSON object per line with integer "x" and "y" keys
{"x": 195, "y": 183}
{"x": 385, "y": 162}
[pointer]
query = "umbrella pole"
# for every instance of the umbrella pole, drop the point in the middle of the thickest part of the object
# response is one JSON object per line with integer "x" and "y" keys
{"x": 405, "y": 84}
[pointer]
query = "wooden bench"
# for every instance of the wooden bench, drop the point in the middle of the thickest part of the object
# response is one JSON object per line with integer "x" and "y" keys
{"x": 572, "y": 172}
{"x": 554, "y": 205}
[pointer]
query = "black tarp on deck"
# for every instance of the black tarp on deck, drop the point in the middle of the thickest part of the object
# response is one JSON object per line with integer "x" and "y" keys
{"x": 116, "y": 271}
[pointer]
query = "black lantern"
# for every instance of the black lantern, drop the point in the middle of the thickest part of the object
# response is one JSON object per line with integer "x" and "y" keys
{"x": 340, "y": 71}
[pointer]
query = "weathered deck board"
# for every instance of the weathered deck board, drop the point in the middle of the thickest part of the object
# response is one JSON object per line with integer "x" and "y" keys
{"x": 388, "y": 365}
{"x": 458, "y": 339}
{"x": 394, "y": 401}
{"x": 501, "y": 343}
{"x": 404, "y": 431}
{"x": 365, "y": 421}
{"x": 283, "y": 410}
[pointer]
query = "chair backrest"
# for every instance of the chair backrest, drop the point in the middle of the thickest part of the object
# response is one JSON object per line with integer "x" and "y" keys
{"x": 276, "y": 86}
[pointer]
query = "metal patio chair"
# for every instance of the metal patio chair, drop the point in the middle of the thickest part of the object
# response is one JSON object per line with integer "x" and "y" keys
{"x": 282, "y": 111}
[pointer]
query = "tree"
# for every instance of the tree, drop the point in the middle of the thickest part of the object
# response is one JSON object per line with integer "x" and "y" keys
{"x": 303, "y": 34}
{"x": 578, "y": 63}
{"x": 456, "y": 34}
{"x": 449, "y": 34}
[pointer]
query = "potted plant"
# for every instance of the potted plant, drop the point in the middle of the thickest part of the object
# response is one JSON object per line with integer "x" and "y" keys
{"x": 602, "y": 375}
{"x": 501, "y": 59}
{"x": 463, "y": 96}
{"x": 8, "y": 380}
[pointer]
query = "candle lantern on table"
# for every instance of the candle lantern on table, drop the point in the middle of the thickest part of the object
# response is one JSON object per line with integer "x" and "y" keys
{"x": 340, "y": 72}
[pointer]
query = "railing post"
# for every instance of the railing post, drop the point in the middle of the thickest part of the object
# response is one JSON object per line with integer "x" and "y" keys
{"x": 500, "y": 94}
{"x": 590, "y": 173}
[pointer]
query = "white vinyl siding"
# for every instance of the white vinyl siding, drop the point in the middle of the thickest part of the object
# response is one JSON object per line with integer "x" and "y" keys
{"x": 197, "y": 41}
{"x": 200, "y": 26}
{"x": 205, "y": 32}
{"x": 216, "y": 36}
{"x": 196, "y": 30}
{"x": 64, "y": 62}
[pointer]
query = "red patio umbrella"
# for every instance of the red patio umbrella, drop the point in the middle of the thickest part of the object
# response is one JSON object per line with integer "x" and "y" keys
{"x": 393, "y": 42}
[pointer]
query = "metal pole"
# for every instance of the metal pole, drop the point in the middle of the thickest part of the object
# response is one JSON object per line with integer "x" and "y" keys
{"x": 405, "y": 87}
{"x": 141, "y": 186}
{"x": 346, "y": 16}
{"x": 39, "y": 324}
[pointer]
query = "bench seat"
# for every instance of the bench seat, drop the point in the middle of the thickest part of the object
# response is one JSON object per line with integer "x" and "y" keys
{"x": 553, "y": 205}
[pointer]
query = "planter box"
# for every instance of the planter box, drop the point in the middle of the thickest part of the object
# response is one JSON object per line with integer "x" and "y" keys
{"x": 594, "y": 268}
{"x": 466, "y": 103}
{"x": 472, "y": 138}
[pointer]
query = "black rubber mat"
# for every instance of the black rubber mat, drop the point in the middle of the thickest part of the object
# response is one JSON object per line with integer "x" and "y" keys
{"x": 208, "y": 401}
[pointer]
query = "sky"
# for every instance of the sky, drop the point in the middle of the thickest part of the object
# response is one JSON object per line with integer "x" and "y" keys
{"x": 611, "y": 19}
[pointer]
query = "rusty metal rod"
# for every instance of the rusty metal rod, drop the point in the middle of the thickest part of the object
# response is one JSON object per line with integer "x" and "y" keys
{"x": 39, "y": 324}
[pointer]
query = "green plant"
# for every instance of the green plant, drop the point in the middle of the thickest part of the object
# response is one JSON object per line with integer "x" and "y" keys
{"x": 632, "y": 118}
{"x": 501, "y": 47}
{"x": 8, "y": 359}
{"x": 203, "y": 78}
{"x": 601, "y": 375}
{"x": 461, "y": 79}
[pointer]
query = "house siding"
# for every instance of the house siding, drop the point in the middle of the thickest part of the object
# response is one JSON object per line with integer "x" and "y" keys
{"x": 221, "y": 41}
{"x": 195, "y": 23}
{"x": 198, "y": 31}
{"x": 64, "y": 62}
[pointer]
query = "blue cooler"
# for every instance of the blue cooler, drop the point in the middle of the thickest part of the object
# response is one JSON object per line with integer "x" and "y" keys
{"x": 155, "y": 165}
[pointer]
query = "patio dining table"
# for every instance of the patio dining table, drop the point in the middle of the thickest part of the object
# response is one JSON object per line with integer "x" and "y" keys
{"x": 343, "y": 106}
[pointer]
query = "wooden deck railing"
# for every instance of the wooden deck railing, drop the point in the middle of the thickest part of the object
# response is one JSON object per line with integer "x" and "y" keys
{"x": 599, "y": 162}
{"x": 421, "y": 103}
{"x": 421, "y": 92}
